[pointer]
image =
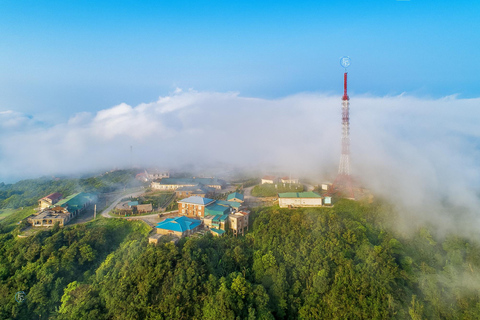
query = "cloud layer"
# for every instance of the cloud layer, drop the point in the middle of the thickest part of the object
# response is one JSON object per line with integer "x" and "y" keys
{"x": 422, "y": 153}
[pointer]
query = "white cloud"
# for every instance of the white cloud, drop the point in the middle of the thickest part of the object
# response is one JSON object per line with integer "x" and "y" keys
{"x": 419, "y": 152}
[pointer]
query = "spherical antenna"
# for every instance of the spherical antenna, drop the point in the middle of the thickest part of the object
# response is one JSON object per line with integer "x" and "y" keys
{"x": 345, "y": 61}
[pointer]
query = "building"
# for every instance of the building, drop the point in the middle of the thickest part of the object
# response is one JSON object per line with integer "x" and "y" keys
{"x": 143, "y": 208}
{"x": 269, "y": 179}
{"x": 194, "y": 206}
{"x": 64, "y": 210}
{"x": 299, "y": 199}
{"x": 175, "y": 183}
{"x": 289, "y": 180}
{"x": 231, "y": 204}
{"x": 327, "y": 201}
{"x": 141, "y": 177}
{"x": 239, "y": 222}
{"x": 77, "y": 203}
{"x": 49, "y": 200}
{"x": 197, "y": 190}
{"x": 326, "y": 186}
{"x": 179, "y": 226}
{"x": 217, "y": 209}
{"x": 132, "y": 204}
{"x": 218, "y": 222}
{"x": 154, "y": 238}
{"x": 217, "y": 232}
{"x": 235, "y": 196}
{"x": 50, "y": 216}
{"x": 155, "y": 174}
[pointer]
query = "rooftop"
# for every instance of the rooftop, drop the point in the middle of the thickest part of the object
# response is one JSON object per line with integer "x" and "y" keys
{"x": 233, "y": 204}
{"x": 196, "y": 200}
{"x": 133, "y": 203}
{"x": 53, "y": 196}
{"x": 76, "y": 201}
{"x": 268, "y": 178}
{"x": 235, "y": 195}
{"x": 309, "y": 194}
{"x": 216, "y": 209}
{"x": 180, "y": 224}
{"x": 54, "y": 213}
{"x": 217, "y": 231}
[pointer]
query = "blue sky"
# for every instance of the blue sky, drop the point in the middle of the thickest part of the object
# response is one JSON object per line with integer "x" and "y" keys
{"x": 58, "y": 58}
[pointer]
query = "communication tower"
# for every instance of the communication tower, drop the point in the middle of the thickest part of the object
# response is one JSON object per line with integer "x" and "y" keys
{"x": 343, "y": 183}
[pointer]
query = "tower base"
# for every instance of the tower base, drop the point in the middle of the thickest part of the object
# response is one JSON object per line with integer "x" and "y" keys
{"x": 343, "y": 185}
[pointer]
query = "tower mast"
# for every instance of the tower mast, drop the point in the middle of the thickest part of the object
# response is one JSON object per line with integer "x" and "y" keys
{"x": 343, "y": 182}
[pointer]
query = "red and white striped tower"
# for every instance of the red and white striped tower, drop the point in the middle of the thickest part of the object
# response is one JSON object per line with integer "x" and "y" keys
{"x": 343, "y": 183}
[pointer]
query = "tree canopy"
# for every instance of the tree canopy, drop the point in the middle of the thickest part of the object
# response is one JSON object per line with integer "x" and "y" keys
{"x": 318, "y": 263}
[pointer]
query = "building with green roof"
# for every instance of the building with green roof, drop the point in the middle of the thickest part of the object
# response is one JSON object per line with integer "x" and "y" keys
{"x": 77, "y": 203}
{"x": 216, "y": 209}
{"x": 235, "y": 205}
{"x": 217, "y": 232}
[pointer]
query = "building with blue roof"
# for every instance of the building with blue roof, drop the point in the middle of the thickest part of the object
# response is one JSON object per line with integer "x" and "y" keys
{"x": 179, "y": 226}
{"x": 236, "y": 196}
{"x": 194, "y": 206}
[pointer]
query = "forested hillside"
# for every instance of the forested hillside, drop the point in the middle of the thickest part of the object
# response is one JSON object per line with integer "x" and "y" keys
{"x": 323, "y": 263}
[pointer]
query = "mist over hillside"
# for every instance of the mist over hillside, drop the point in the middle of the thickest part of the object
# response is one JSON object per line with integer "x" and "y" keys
{"x": 421, "y": 153}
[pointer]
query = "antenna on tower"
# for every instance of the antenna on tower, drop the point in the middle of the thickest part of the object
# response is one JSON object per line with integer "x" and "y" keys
{"x": 343, "y": 182}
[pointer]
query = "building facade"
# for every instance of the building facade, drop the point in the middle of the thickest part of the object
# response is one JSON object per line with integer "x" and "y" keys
{"x": 175, "y": 183}
{"x": 269, "y": 179}
{"x": 49, "y": 200}
{"x": 238, "y": 222}
{"x": 289, "y": 180}
{"x": 194, "y": 206}
{"x": 50, "y": 216}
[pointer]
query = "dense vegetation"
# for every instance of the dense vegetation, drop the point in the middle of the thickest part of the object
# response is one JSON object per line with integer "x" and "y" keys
{"x": 330, "y": 263}
{"x": 272, "y": 190}
{"x": 27, "y": 192}
{"x": 45, "y": 264}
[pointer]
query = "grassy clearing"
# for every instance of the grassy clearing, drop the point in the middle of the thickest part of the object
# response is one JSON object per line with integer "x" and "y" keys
{"x": 5, "y": 213}
{"x": 269, "y": 190}
{"x": 17, "y": 215}
{"x": 159, "y": 200}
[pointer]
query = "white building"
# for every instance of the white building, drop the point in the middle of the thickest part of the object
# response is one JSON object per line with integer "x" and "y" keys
{"x": 326, "y": 186}
{"x": 300, "y": 199}
{"x": 269, "y": 179}
{"x": 288, "y": 180}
